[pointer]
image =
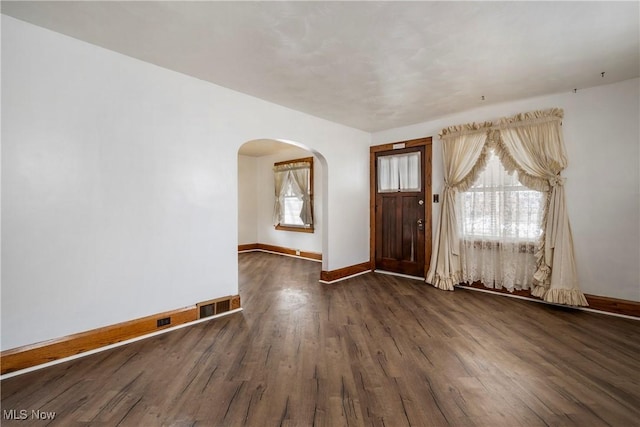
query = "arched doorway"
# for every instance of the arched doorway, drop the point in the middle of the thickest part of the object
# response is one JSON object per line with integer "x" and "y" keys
{"x": 256, "y": 159}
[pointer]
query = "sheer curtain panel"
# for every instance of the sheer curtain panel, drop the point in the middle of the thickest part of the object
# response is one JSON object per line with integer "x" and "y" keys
{"x": 280, "y": 186}
{"x": 399, "y": 172}
{"x": 501, "y": 223}
{"x": 300, "y": 186}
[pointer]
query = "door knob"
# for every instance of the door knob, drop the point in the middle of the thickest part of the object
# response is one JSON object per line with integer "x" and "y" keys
{"x": 420, "y": 224}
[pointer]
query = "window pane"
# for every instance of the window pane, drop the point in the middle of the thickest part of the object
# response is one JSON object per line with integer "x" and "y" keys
{"x": 292, "y": 208}
{"x": 399, "y": 172}
{"x": 498, "y": 206}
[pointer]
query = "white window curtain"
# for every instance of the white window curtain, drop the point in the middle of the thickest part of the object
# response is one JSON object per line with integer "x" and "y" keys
{"x": 292, "y": 180}
{"x": 461, "y": 154}
{"x": 280, "y": 186}
{"x": 531, "y": 144}
{"x": 300, "y": 186}
{"x": 501, "y": 223}
{"x": 399, "y": 172}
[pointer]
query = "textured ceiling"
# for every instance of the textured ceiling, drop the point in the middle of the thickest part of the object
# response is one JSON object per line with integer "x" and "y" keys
{"x": 369, "y": 65}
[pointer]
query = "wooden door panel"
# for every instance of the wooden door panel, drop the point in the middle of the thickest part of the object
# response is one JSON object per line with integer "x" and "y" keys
{"x": 399, "y": 241}
{"x": 410, "y": 238}
{"x": 388, "y": 214}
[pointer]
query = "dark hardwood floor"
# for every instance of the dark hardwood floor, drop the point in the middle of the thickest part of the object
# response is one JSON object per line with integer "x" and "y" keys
{"x": 375, "y": 350}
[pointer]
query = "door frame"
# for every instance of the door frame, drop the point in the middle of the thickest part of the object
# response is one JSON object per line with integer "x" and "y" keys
{"x": 427, "y": 143}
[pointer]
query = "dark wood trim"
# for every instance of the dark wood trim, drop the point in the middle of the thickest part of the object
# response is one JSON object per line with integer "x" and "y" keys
{"x": 341, "y": 273}
{"x": 281, "y": 250}
{"x": 407, "y": 144}
{"x": 288, "y": 251}
{"x": 596, "y": 302}
{"x": 300, "y": 229}
{"x": 428, "y": 227}
{"x": 428, "y": 196}
{"x": 248, "y": 247}
{"x": 48, "y": 351}
{"x": 372, "y": 208}
{"x": 302, "y": 160}
{"x": 614, "y": 305}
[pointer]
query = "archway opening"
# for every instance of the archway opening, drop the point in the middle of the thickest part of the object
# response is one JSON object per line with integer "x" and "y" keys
{"x": 256, "y": 199}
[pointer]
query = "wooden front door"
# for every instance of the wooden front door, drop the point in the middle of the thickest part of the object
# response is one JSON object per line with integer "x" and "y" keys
{"x": 401, "y": 216}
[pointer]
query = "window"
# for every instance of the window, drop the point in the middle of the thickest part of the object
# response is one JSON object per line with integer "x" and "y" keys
{"x": 501, "y": 225}
{"x": 399, "y": 172}
{"x": 292, "y": 207}
{"x": 498, "y": 207}
{"x": 293, "y": 210}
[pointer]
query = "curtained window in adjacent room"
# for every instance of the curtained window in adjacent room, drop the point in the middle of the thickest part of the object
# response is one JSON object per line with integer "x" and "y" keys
{"x": 293, "y": 183}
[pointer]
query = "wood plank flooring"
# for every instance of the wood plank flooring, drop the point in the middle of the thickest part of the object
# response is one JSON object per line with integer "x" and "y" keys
{"x": 374, "y": 350}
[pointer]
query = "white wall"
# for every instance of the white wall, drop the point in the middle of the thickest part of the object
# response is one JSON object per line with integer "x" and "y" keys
{"x": 247, "y": 200}
{"x": 119, "y": 185}
{"x": 602, "y": 137}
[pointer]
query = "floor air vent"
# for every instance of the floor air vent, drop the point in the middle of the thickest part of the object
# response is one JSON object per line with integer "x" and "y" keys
{"x": 223, "y": 306}
{"x": 217, "y": 306}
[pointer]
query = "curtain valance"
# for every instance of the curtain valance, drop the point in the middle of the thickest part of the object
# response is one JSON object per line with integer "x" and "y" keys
{"x": 531, "y": 144}
{"x": 522, "y": 119}
{"x": 291, "y": 166}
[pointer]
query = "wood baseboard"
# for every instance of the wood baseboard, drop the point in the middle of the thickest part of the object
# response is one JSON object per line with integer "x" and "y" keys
{"x": 48, "y": 351}
{"x": 614, "y": 305}
{"x": 248, "y": 247}
{"x": 596, "y": 302}
{"x": 342, "y": 273}
{"x": 279, "y": 249}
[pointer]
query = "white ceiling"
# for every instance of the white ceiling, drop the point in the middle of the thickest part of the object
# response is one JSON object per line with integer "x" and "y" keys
{"x": 369, "y": 65}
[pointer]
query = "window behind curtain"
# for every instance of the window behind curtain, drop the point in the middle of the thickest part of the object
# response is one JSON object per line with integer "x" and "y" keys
{"x": 399, "y": 172}
{"x": 292, "y": 207}
{"x": 498, "y": 206}
{"x": 293, "y": 210}
{"x": 501, "y": 225}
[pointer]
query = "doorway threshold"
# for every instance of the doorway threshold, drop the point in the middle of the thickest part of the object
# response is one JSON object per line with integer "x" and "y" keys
{"x": 391, "y": 273}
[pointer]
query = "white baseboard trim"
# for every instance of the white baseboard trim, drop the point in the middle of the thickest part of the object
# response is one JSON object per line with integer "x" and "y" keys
{"x": 344, "y": 278}
{"x": 391, "y": 273}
